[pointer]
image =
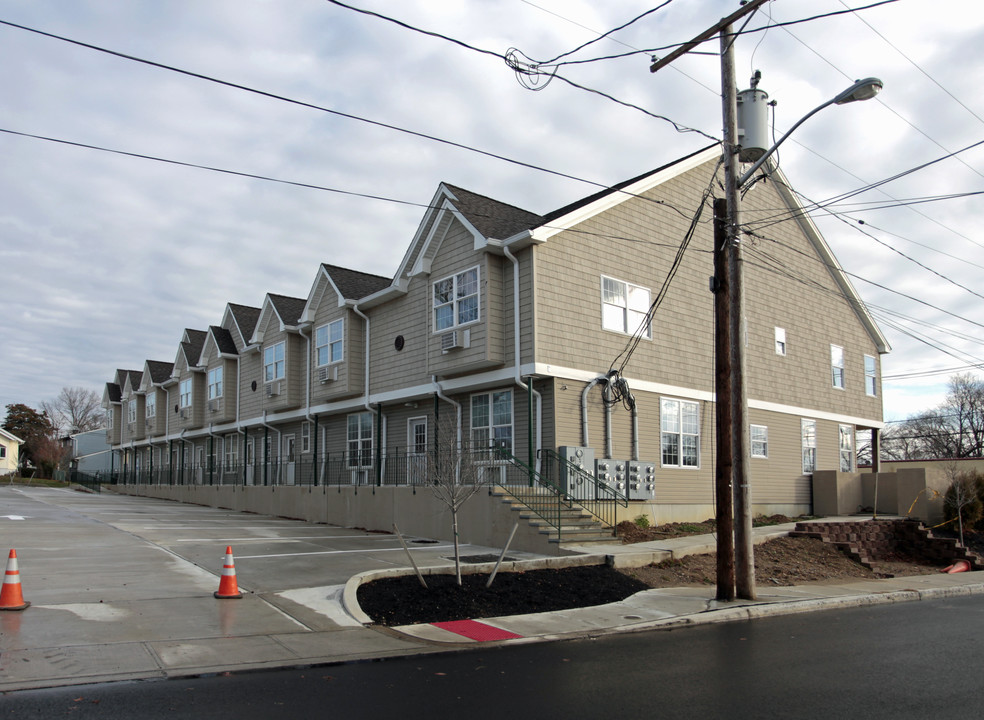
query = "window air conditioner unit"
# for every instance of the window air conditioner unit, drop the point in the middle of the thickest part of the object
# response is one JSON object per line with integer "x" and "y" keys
{"x": 183, "y": 413}
{"x": 450, "y": 341}
{"x": 327, "y": 374}
{"x": 272, "y": 388}
{"x": 214, "y": 405}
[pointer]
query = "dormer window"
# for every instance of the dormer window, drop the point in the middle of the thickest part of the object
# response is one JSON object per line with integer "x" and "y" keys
{"x": 456, "y": 300}
{"x": 273, "y": 362}
{"x": 184, "y": 393}
{"x": 215, "y": 383}
{"x": 329, "y": 342}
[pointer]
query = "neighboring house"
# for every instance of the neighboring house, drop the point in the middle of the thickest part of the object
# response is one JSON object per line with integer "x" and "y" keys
{"x": 9, "y": 452}
{"x": 90, "y": 453}
{"x": 509, "y": 325}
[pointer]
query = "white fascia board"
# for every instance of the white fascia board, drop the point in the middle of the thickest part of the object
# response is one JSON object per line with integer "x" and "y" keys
{"x": 432, "y": 210}
{"x": 617, "y": 197}
{"x": 704, "y": 395}
{"x": 316, "y": 294}
{"x": 11, "y": 436}
{"x": 840, "y": 277}
{"x": 397, "y": 289}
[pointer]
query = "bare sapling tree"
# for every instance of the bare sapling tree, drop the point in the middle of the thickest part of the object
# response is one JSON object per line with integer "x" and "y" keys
{"x": 455, "y": 474}
{"x": 961, "y": 500}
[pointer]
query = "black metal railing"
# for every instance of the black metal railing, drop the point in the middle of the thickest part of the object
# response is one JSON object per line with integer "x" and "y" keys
{"x": 582, "y": 487}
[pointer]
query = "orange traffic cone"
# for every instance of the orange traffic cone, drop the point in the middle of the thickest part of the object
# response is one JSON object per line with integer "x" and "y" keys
{"x": 228, "y": 587}
{"x": 11, "y": 597}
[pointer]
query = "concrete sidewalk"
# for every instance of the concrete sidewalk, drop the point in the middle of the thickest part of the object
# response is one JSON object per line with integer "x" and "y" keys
{"x": 122, "y": 591}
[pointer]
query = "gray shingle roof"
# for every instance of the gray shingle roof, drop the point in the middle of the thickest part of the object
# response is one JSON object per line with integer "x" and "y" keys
{"x": 223, "y": 340}
{"x": 246, "y": 318}
{"x": 193, "y": 347}
{"x": 135, "y": 377}
{"x": 159, "y": 371}
{"x": 288, "y": 308}
{"x": 490, "y": 217}
{"x": 353, "y": 284}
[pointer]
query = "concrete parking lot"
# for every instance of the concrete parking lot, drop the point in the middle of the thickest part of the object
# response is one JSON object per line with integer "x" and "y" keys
{"x": 122, "y": 587}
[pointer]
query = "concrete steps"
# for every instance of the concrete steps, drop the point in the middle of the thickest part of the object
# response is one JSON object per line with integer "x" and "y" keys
{"x": 577, "y": 526}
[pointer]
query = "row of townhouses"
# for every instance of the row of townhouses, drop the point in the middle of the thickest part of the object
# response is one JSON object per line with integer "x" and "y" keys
{"x": 529, "y": 337}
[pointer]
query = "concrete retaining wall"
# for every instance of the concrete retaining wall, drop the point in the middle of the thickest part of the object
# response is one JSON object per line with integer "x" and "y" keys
{"x": 483, "y": 520}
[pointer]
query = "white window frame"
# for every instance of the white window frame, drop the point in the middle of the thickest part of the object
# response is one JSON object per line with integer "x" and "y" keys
{"x": 455, "y": 293}
{"x": 215, "y": 383}
{"x": 329, "y": 341}
{"x": 274, "y": 363}
{"x": 359, "y": 440}
{"x": 808, "y": 443}
{"x": 131, "y": 410}
{"x": 845, "y": 435}
{"x": 492, "y": 431}
{"x": 758, "y": 441}
{"x": 622, "y": 308}
{"x": 414, "y": 447}
{"x": 781, "y": 341}
{"x": 837, "y": 366}
{"x": 674, "y": 430}
{"x": 150, "y": 404}
{"x": 870, "y": 376}
{"x": 184, "y": 393}
{"x": 230, "y": 447}
{"x": 305, "y": 437}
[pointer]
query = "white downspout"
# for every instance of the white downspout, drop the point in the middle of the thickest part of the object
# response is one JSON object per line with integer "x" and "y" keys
{"x": 608, "y": 420}
{"x": 307, "y": 389}
{"x": 355, "y": 309}
{"x": 457, "y": 405}
{"x": 516, "y": 357}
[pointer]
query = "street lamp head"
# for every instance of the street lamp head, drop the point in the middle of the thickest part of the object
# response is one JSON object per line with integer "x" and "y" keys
{"x": 860, "y": 90}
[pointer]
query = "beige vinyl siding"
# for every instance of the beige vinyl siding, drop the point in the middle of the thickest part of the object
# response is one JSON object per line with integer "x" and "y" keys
{"x": 349, "y": 371}
{"x": 251, "y": 385}
{"x": 408, "y": 316}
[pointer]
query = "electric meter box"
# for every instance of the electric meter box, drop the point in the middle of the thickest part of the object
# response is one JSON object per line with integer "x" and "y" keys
{"x": 577, "y": 478}
{"x": 641, "y": 480}
{"x": 613, "y": 474}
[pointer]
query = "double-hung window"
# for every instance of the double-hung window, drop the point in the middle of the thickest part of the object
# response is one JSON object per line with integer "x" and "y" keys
{"x": 273, "y": 362}
{"x": 231, "y": 447}
{"x": 150, "y": 404}
{"x": 184, "y": 393}
{"x": 808, "y": 432}
{"x": 780, "y": 341}
{"x": 759, "y": 437}
{"x": 870, "y": 375}
{"x": 305, "y": 437}
{"x": 360, "y": 440}
{"x": 492, "y": 421}
{"x": 329, "y": 342}
{"x": 215, "y": 383}
{"x": 131, "y": 411}
{"x": 679, "y": 433}
{"x": 846, "y": 434}
{"x": 837, "y": 366}
{"x": 624, "y": 307}
{"x": 456, "y": 300}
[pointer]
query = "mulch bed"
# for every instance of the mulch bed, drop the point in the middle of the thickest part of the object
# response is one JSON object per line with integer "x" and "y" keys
{"x": 402, "y": 601}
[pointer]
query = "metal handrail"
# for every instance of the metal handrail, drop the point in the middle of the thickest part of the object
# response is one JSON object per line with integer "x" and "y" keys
{"x": 602, "y": 499}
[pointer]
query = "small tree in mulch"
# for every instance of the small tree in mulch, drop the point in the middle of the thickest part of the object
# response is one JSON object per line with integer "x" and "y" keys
{"x": 455, "y": 475}
{"x": 962, "y": 500}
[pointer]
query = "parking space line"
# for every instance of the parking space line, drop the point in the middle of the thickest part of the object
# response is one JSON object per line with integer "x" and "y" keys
{"x": 339, "y": 552}
{"x": 291, "y": 538}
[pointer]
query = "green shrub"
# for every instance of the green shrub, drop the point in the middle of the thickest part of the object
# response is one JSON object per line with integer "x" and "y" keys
{"x": 641, "y": 521}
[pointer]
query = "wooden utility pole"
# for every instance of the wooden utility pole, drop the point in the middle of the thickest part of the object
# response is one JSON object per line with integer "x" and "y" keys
{"x": 736, "y": 565}
{"x": 744, "y": 555}
{"x": 723, "y": 472}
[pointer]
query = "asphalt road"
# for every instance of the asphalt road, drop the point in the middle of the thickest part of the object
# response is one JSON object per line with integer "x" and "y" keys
{"x": 912, "y": 660}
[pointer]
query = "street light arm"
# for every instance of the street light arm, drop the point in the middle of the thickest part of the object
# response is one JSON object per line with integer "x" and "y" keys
{"x": 859, "y": 91}
{"x": 761, "y": 161}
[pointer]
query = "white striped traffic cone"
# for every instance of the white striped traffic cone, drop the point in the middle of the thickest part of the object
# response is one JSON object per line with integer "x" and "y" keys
{"x": 11, "y": 597}
{"x": 228, "y": 587}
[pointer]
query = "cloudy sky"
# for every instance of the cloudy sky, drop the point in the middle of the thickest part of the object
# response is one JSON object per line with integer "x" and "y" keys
{"x": 107, "y": 257}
